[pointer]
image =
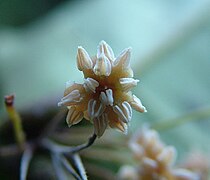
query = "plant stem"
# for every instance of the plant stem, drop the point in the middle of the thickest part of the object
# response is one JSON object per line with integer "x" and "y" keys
{"x": 86, "y": 145}
{"x": 25, "y": 162}
{"x": 54, "y": 147}
{"x": 16, "y": 120}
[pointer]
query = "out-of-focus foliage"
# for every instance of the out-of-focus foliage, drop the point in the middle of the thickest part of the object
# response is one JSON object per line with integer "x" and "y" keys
{"x": 171, "y": 57}
{"x": 21, "y": 12}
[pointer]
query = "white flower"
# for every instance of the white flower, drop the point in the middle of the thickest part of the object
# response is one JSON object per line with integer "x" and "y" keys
{"x": 105, "y": 97}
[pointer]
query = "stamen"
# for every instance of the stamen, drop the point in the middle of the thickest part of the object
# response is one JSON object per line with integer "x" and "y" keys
{"x": 83, "y": 59}
{"x": 124, "y": 113}
{"x": 72, "y": 97}
{"x": 127, "y": 110}
{"x": 104, "y": 48}
{"x": 137, "y": 105}
{"x": 100, "y": 110}
{"x": 91, "y": 106}
{"x": 103, "y": 98}
{"x": 103, "y": 66}
{"x": 123, "y": 59}
{"x": 90, "y": 84}
{"x": 100, "y": 124}
{"x": 92, "y": 111}
{"x": 128, "y": 83}
{"x": 74, "y": 116}
{"x": 107, "y": 97}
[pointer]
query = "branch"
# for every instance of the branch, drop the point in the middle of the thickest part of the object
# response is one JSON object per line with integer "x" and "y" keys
{"x": 54, "y": 147}
{"x": 86, "y": 145}
{"x": 25, "y": 162}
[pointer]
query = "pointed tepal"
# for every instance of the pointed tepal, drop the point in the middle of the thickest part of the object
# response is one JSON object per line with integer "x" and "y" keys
{"x": 83, "y": 59}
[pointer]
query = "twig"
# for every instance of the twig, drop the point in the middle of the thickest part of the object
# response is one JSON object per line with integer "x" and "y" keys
{"x": 78, "y": 165}
{"x": 68, "y": 166}
{"x": 86, "y": 145}
{"x": 59, "y": 171}
{"x": 54, "y": 147}
{"x": 25, "y": 162}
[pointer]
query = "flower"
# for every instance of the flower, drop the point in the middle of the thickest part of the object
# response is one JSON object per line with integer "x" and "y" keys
{"x": 105, "y": 97}
{"x": 156, "y": 160}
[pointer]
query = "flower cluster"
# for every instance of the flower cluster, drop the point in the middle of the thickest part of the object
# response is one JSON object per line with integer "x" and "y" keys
{"x": 156, "y": 160}
{"x": 105, "y": 97}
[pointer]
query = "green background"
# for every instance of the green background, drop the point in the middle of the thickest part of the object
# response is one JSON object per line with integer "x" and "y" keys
{"x": 170, "y": 43}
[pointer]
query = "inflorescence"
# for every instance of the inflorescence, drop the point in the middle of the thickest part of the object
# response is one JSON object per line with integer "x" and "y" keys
{"x": 105, "y": 97}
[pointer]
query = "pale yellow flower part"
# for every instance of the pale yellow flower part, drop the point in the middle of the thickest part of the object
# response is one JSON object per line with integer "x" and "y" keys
{"x": 155, "y": 159}
{"x": 105, "y": 97}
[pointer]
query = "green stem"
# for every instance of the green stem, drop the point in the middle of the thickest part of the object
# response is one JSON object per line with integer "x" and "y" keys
{"x": 16, "y": 121}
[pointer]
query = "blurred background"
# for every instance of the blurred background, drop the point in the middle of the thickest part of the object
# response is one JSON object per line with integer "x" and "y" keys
{"x": 170, "y": 43}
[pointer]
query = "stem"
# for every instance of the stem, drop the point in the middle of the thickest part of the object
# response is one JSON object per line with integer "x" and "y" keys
{"x": 25, "y": 162}
{"x": 59, "y": 171}
{"x": 69, "y": 167}
{"x": 86, "y": 145}
{"x": 16, "y": 120}
{"x": 53, "y": 147}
